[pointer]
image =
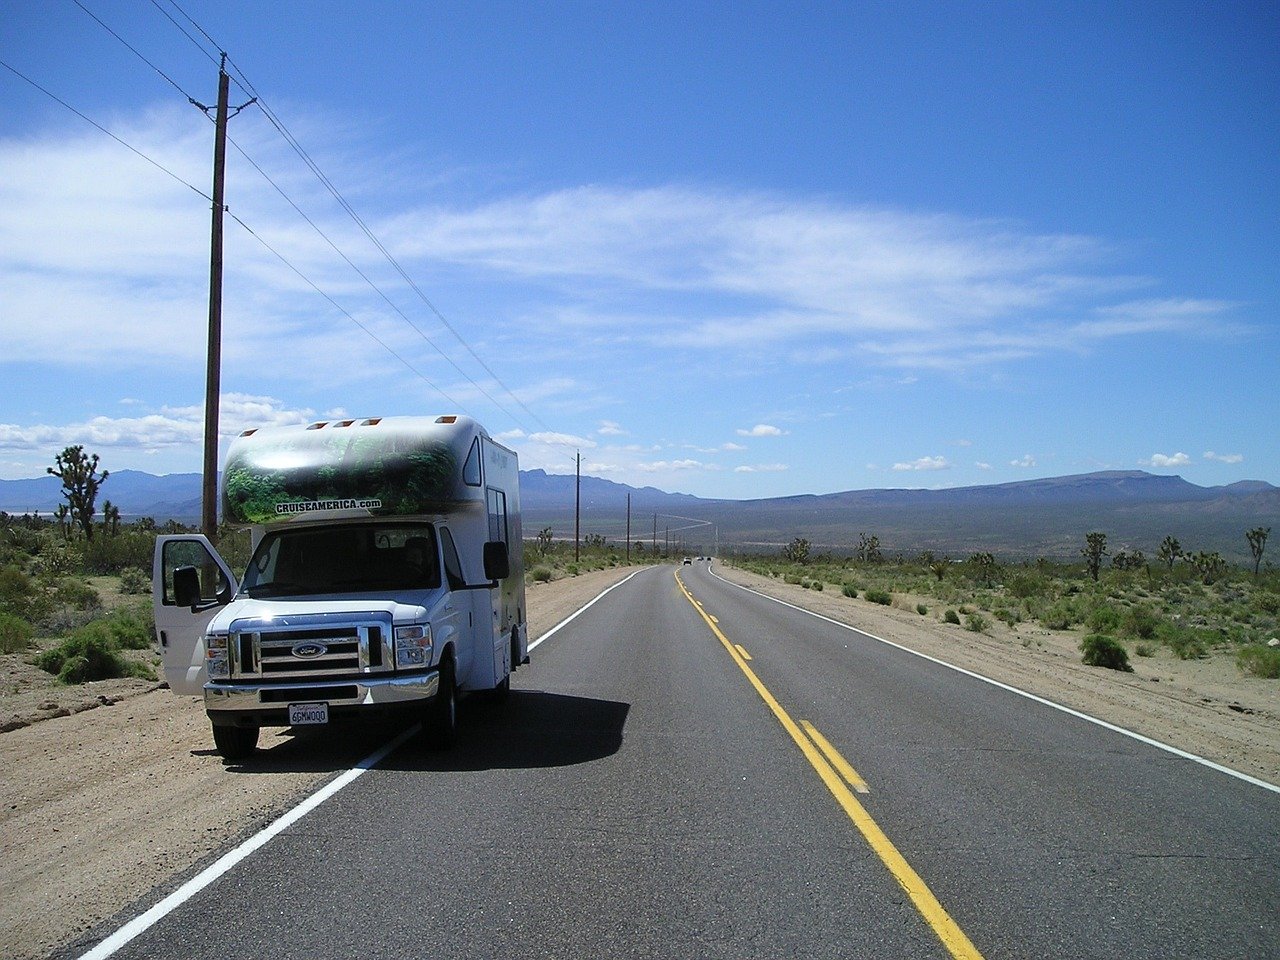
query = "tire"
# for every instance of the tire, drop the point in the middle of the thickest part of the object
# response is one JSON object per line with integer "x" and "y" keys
{"x": 441, "y": 722}
{"x": 515, "y": 648}
{"x": 235, "y": 743}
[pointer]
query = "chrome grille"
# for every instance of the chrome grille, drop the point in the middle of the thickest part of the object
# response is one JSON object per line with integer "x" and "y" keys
{"x": 310, "y": 646}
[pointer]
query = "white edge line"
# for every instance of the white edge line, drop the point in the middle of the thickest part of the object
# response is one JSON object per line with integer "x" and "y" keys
{"x": 583, "y": 609}
{"x": 1022, "y": 693}
{"x": 145, "y": 921}
{"x": 228, "y": 860}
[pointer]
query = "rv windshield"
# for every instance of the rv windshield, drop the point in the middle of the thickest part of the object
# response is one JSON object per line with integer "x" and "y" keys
{"x": 344, "y": 559}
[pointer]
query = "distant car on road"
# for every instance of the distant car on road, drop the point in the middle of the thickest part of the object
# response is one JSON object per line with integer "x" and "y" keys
{"x": 687, "y": 560}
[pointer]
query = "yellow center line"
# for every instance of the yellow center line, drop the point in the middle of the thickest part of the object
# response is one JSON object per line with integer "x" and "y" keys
{"x": 835, "y": 758}
{"x": 742, "y": 651}
{"x": 947, "y": 930}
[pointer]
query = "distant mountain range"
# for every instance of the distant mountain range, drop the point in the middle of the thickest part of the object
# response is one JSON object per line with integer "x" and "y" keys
{"x": 1047, "y": 517}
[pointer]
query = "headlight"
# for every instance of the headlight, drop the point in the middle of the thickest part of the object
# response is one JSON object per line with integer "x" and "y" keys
{"x": 216, "y": 661}
{"x": 413, "y": 645}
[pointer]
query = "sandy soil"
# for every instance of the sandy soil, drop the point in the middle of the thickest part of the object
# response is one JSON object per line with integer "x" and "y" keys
{"x": 1206, "y": 707}
{"x": 111, "y": 789}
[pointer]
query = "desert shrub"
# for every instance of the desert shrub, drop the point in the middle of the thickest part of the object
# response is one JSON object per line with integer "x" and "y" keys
{"x": 922, "y": 609}
{"x": 1103, "y": 651}
{"x": 1026, "y": 585}
{"x": 817, "y": 585}
{"x": 541, "y": 574}
{"x": 1139, "y": 622}
{"x": 793, "y": 578}
{"x": 975, "y": 623}
{"x": 966, "y": 609}
{"x": 129, "y": 548}
{"x": 15, "y": 634}
{"x": 1062, "y": 615}
{"x": 134, "y": 580}
{"x": 76, "y": 594}
{"x": 882, "y": 597}
{"x": 572, "y": 569}
{"x": 849, "y": 590}
{"x": 1267, "y": 601}
{"x": 88, "y": 654}
{"x": 1259, "y": 660}
{"x": 951, "y": 617}
{"x": 131, "y": 628}
{"x": 1103, "y": 619}
{"x": 1008, "y": 617}
{"x": 1188, "y": 644}
{"x": 57, "y": 561}
{"x": 1145, "y": 650}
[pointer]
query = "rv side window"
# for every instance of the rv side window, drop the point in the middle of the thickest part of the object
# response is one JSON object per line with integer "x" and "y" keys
{"x": 452, "y": 565}
{"x": 190, "y": 553}
{"x": 471, "y": 469}
{"x": 498, "y": 516}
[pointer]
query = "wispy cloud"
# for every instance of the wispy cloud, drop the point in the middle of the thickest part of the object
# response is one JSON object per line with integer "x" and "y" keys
{"x": 762, "y": 468}
{"x": 1024, "y": 463}
{"x": 1224, "y": 457}
{"x": 924, "y": 463}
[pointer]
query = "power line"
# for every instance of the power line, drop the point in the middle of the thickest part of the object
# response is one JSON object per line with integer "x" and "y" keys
{"x": 324, "y": 236}
{"x": 159, "y": 166}
{"x": 173, "y": 83}
{"x": 307, "y": 280}
{"x": 198, "y": 45}
{"x": 155, "y": 163}
{"x": 243, "y": 81}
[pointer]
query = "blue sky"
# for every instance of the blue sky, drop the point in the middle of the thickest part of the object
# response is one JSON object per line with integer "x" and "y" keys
{"x": 738, "y": 250}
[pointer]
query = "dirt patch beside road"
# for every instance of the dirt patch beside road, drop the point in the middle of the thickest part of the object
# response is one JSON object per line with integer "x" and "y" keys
{"x": 1203, "y": 706}
{"x": 110, "y": 789}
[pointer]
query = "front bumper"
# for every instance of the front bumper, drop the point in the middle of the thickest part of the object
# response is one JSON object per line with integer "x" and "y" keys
{"x": 229, "y": 703}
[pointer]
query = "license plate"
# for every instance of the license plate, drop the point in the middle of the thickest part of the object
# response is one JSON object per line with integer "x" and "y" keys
{"x": 301, "y": 714}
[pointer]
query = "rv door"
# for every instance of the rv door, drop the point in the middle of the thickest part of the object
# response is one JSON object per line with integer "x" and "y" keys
{"x": 187, "y": 568}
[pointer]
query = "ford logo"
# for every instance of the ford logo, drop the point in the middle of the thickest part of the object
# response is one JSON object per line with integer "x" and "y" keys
{"x": 308, "y": 651}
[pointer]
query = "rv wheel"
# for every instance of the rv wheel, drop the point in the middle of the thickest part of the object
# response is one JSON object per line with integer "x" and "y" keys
{"x": 235, "y": 743}
{"x": 441, "y": 722}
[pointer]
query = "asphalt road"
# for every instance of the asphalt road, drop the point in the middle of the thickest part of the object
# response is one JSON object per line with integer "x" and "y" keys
{"x": 640, "y": 796}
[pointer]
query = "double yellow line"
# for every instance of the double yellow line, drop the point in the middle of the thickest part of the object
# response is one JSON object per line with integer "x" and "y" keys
{"x": 826, "y": 761}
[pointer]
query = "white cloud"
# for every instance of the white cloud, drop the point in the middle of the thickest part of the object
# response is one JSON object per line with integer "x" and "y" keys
{"x": 1162, "y": 461}
{"x": 732, "y": 447}
{"x": 982, "y": 466}
{"x": 762, "y": 468}
{"x": 671, "y": 466}
{"x": 552, "y": 439}
{"x": 925, "y": 463}
{"x": 762, "y": 430}
{"x": 1224, "y": 457}
{"x": 609, "y": 428}
{"x": 508, "y": 435}
{"x": 1024, "y": 463}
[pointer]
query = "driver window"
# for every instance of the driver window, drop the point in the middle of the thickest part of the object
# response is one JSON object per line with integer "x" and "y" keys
{"x": 192, "y": 553}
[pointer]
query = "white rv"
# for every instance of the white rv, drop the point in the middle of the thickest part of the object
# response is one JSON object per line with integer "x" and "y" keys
{"x": 386, "y": 574}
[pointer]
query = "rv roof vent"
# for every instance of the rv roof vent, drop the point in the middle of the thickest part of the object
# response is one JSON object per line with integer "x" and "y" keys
{"x": 344, "y": 423}
{"x": 446, "y": 419}
{"x": 371, "y": 422}
{"x": 317, "y": 426}
{"x": 250, "y": 432}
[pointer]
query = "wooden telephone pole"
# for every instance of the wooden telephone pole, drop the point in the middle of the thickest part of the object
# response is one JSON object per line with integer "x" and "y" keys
{"x": 213, "y": 374}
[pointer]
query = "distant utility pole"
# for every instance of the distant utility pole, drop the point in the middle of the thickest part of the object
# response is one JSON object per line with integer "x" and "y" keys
{"x": 655, "y": 534}
{"x": 577, "y": 507}
{"x": 213, "y": 375}
{"x": 628, "y": 528}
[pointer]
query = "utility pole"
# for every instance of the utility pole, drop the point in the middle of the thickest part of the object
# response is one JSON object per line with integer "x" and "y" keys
{"x": 628, "y": 529}
{"x": 577, "y": 506}
{"x": 213, "y": 375}
{"x": 655, "y": 534}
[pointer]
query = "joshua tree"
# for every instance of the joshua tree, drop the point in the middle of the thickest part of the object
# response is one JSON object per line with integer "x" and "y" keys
{"x": 1257, "y": 538}
{"x": 1170, "y": 550}
{"x": 110, "y": 518}
{"x": 869, "y": 548}
{"x": 1209, "y": 566}
{"x": 939, "y": 569}
{"x": 985, "y": 568}
{"x": 80, "y": 482}
{"x": 1095, "y": 548}
{"x": 797, "y": 550}
{"x": 544, "y": 539}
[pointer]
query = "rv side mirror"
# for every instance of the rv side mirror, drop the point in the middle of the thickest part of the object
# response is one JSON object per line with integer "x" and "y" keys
{"x": 186, "y": 587}
{"x": 497, "y": 563}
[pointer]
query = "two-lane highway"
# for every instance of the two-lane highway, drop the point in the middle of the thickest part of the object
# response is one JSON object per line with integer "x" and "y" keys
{"x": 639, "y": 795}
